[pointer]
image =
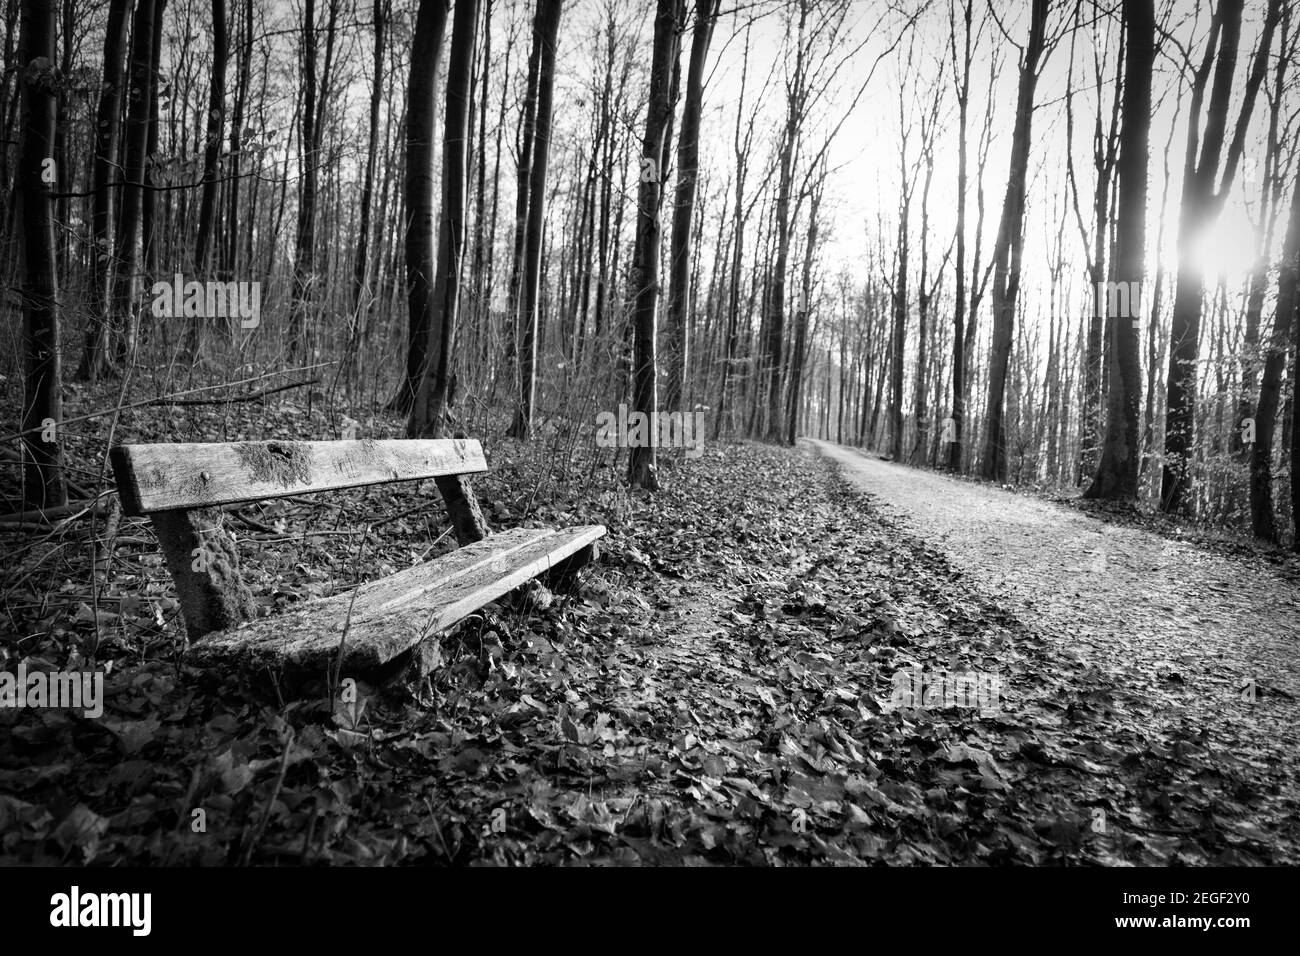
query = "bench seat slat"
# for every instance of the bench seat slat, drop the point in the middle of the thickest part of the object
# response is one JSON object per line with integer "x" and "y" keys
{"x": 204, "y": 474}
{"x": 393, "y": 614}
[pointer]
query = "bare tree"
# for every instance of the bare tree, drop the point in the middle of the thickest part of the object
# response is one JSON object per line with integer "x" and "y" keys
{"x": 1263, "y": 521}
{"x": 421, "y": 123}
{"x": 688, "y": 157}
{"x": 360, "y": 270}
{"x": 1105, "y": 147}
{"x": 1261, "y": 464}
{"x": 428, "y": 414}
{"x": 546, "y": 36}
{"x": 317, "y": 90}
{"x": 1006, "y": 252}
{"x": 925, "y": 290}
{"x": 644, "y": 280}
{"x": 96, "y": 356}
{"x": 43, "y": 479}
{"x": 801, "y": 334}
{"x": 523, "y": 172}
{"x": 216, "y": 123}
{"x": 961, "y": 80}
{"x": 1201, "y": 204}
{"x": 1117, "y": 474}
{"x": 129, "y": 223}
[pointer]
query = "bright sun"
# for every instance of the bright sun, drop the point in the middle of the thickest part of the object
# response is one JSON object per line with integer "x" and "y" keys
{"x": 1227, "y": 248}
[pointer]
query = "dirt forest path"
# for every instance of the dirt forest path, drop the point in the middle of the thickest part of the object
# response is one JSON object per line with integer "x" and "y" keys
{"x": 1179, "y": 631}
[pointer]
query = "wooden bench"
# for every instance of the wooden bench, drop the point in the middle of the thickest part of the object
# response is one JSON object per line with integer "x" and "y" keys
{"x": 375, "y": 629}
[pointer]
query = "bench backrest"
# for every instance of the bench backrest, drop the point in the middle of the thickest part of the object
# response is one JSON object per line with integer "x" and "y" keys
{"x": 153, "y": 478}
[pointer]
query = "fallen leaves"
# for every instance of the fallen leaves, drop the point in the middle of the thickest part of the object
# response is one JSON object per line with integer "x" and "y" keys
{"x": 718, "y": 691}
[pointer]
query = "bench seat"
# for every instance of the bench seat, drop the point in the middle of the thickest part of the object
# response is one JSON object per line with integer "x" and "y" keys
{"x": 392, "y": 615}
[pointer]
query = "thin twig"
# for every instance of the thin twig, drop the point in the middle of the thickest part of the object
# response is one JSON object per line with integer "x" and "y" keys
{"x": 231, "y": 401}
{"x": 270, "y": 803}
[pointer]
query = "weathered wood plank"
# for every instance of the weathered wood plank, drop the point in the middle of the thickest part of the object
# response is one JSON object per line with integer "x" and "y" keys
{"x": 202, "y": 474}
{"x": 392, "y": 615}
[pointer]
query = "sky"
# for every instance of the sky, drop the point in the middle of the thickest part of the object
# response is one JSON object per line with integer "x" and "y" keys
{"x": 866, "y": 180}
{"x": 864, "y": 184}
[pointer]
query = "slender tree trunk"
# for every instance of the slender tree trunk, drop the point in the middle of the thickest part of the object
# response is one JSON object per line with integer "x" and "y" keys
{"x": 243, "y": 72}
{"x": 796, "y": 96}
{"x": 481, "y": 321}
{"x": 1006, "y": 256}
{"x": 1261, "y": 460}
{"x": 126, "y": 282}
{"x": 96, "y": 358}
{"x": 924, "y": 291}
{"x": 801, "y": 316}
{"x": 304, "y": 255}
{"x": 361, "y": 294}
{"x": 316, "y": 101}
{"x": 898, "y": 339}
{"x": 523, "y": 175}
{"x": 688, "y": 158}
{"x": 43, "y": 479}
{"x": 740, "y": 145}
{"x": 216, "y": 123}
{"x": 150, "y": 244}
{"x": 547, "y": 33}
{"x": 1294, "y": 431}
{"x": 959, "y": 307}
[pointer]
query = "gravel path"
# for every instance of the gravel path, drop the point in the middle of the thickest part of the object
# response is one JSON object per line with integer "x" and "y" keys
{"x": 1178, "y": 631}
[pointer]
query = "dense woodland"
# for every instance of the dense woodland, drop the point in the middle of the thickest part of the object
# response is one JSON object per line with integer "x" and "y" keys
{"x": 1045, "y": 243}
{"x": 985, "y": 314}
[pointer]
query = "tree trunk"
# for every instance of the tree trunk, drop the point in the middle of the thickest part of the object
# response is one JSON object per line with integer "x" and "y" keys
{"x": 1006, "y": 256}
{"x": 688, "y": 157}
{"x": 1261, "y": 459}
{"x": 304, "y": 254}
{"x": 43, "y": 480}
{"x": 644, "y": 280}
{"x": 361, "y": 294}
{"x": 740, "y": 146}
{"x": 421, "y": 123}
{"x": 1201, "y": 204}
{"x": 898, "y": 339}
{"x": 1117, "y": 475}
{"x": 149, "y": 198}
{"x": 801, "y": 316}
{"x": 126, "y": 281}
{"x": 216, "y": 123}
{"x": 429, "y": 411}
{"x": 243, "y": 76}
{"x": 795, "y": 105}
{"x": 959, "y": 308}
{"x": 547, "y": 29}
{"x": 96, "y": 358}
{"x": 523, "y": 174}
{"x": 316, "y": 101}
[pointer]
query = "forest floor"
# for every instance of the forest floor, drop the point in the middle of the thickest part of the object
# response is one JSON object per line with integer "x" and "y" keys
{"x": 720, "y": 689}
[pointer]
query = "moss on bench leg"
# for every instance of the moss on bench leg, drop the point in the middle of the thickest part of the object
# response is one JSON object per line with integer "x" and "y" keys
{"x": 204, "y": 563}
{"x": 462, "y": 507}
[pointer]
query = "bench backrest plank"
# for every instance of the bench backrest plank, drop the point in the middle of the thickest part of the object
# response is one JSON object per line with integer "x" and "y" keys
{"x": 154, "y": 478}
